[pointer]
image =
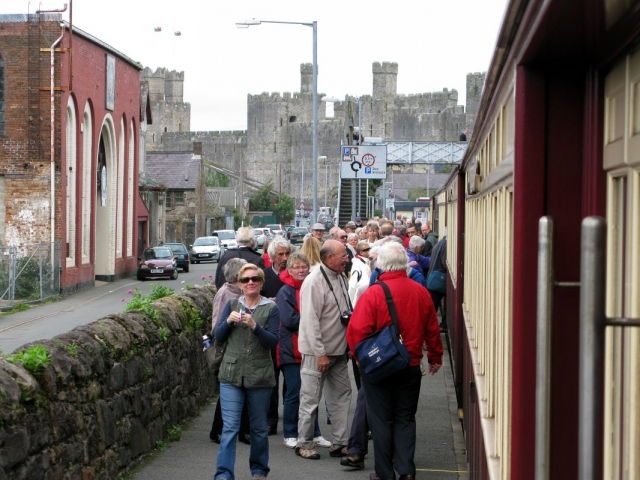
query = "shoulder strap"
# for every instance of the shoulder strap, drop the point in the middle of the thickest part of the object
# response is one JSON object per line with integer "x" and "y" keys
{"x": 437, "y": 254}
{"x": 390, "y": 304}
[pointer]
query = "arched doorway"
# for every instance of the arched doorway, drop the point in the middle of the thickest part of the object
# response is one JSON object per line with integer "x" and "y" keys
{"x": 105, "y": 224}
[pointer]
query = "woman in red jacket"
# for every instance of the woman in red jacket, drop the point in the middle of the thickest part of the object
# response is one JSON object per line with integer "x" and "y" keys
{"x": 392, "y": 403}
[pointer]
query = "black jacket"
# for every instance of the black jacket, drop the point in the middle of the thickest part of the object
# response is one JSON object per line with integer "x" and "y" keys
{"x": 272, "y": 283}
{"x": 247, "y": 253}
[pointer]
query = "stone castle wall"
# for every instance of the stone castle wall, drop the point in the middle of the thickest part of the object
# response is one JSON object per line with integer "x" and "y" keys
{"x": 112, "y": 390}
{"x": 278, "y": 139}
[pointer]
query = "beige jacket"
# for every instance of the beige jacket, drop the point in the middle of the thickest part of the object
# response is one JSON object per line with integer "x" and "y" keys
{"x": 321, "y": 332}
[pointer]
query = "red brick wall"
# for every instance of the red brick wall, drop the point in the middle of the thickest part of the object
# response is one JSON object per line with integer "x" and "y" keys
{"x": 25, "y": 153}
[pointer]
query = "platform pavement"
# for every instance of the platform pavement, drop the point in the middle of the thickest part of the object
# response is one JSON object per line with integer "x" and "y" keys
{"x": 440, "y": 452}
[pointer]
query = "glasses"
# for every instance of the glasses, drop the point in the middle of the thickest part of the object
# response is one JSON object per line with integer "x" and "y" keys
{"x": 343, "y": 236}
{"x": 255, "y": 279}
{"x": 300, "y": 267}
{"x": 365, "y": 249}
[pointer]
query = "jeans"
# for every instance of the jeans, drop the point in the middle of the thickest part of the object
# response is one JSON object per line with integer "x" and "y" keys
{"x": 291, "y": 401}
{"x": 232, "y": 399}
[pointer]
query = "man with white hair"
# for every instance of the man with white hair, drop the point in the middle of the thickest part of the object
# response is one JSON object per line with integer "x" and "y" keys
{"x": 246, "y": 240}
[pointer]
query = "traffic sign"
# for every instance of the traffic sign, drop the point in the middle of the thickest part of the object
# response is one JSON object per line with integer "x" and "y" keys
{"x": 364, "y": 162}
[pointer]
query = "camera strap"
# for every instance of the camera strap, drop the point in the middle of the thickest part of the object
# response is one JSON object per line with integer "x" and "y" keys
{"x": 342, "y": 281}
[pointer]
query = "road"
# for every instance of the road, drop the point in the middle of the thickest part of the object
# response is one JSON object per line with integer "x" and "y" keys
{"x": 51, "y": 319}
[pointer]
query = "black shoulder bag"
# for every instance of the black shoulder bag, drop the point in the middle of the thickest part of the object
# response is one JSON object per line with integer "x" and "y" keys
{"x": 383, "y": 353}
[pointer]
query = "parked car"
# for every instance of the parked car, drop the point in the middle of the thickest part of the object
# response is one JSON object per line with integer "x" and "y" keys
{"x": 288, "y": 228}
{"x": 206, "y": 249}
{"x": 262, "y": 236}
{"x": 227, "y": 238}
{"x": 181, "y": 253}
{"x": 157, "y": 262}
{"x": 297, "y": 234}
{"x": 276, "y": 229}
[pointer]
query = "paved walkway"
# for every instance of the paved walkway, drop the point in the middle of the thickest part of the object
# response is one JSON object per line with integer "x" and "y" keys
{"x": 439, "y": 453}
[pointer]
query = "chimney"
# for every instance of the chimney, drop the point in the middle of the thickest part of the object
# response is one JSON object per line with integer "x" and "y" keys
{"x": 197, "y": 148}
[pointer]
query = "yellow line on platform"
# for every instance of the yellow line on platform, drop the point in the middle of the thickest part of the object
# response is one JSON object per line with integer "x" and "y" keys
{"x": 441, "y": 471}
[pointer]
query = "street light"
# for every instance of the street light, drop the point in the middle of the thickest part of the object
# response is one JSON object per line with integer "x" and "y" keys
{"x": 314, "y": 152}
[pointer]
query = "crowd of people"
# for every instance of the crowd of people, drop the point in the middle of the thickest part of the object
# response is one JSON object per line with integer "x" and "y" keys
{"x": 302, "y": 312}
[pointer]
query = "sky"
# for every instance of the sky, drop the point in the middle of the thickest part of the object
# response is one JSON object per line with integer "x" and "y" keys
{"x": 435, "y": 43}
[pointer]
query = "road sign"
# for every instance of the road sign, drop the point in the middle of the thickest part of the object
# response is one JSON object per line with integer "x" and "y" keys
{"x": 364, "y": 162}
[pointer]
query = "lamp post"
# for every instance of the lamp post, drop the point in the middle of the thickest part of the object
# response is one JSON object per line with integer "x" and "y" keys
{"x": 314, "y": 152}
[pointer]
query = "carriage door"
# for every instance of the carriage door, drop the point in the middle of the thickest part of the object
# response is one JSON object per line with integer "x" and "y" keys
{"x": 612, "y": 332}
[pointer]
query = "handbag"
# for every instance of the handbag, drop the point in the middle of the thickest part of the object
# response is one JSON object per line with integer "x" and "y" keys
{"x": 214, "y": 355}
{"x": 383, "y": 353}
{"x": 437, "y": 279}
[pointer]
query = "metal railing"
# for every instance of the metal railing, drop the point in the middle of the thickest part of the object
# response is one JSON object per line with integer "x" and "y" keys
{"x": 28, "y": 274}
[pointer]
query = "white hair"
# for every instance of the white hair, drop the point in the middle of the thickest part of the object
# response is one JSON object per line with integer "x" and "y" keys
{"x": 416, "y": 241}
{"x": 278, "y": 242}
{"x": 392, "y": 257}
{"x": 246, "y": 236}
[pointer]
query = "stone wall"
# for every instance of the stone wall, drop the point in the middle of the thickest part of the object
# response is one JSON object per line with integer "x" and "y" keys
{"x": 112, "y": 390}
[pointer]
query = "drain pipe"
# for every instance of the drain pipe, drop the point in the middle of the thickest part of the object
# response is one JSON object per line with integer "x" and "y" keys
{"x": 53, "y": 129}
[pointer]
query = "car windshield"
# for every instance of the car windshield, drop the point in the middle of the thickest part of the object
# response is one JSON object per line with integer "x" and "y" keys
{"x": 177, "y": 247}
{"x": 155, "y": 253}
{"x": 300, "y": 230}
{"x": 208, "y": 241}
{"x": 273, "y": 227}
{"x": 226, "y": 235}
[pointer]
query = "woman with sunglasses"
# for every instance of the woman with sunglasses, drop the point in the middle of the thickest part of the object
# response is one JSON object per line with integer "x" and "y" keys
{"x": 250, "y": 326}
{"x": 288, "y": 355}
{"x": 360, "y": 271}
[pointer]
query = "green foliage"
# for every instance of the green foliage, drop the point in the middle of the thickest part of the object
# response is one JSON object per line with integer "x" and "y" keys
{"x": 161, "y": 446}
{"x": 237, "y": 219}
{"x": 144, "y": 304}
{"x": 446, "y": 168}
{"x": 164, "y": 334}
{"x": 148, "y": 371}
{"x": 285, "y": 209}
{"x": 28, "y": 281}
{"x": 33, "y": 359}
{"x": 414, "y": 193}
{"x": 17, "y": 307}
{"x": 194, "y": 319}
{"x": 216, "y": 179}
{"x": 261, "y": 199}
{"x": 175, "y": 433}
{"x": 73, "y": 349}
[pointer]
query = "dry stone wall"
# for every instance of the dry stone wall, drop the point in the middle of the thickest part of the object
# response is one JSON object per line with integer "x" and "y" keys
{"x": 112, "y": 390}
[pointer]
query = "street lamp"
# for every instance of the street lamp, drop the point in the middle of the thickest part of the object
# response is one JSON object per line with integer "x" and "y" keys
{"x": 314, "y": 152}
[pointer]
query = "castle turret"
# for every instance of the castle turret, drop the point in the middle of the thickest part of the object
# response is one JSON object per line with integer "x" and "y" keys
{"x": 475, "y": 84}
{"x": 173, "y": 87}
{"x": 156, "y": 83}
{"x": 385, "y": 79}
{"x": 306, "y": 78}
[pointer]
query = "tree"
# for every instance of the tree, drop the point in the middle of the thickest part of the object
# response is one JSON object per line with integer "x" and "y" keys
{"x": 260, "y": 201}
{"x": 216, "y": 179}
{"x": 285, "y": 209}
{"x": 446, "y": 168}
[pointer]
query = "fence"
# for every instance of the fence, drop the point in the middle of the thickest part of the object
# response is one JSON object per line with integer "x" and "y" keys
{"x": 27, "y": 273}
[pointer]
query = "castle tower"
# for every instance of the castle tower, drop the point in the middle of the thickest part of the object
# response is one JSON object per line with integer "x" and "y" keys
{"x": 173, "y": 87}
{"x": 156, "y": 83}
{"x": 475, "y": 84}
{"x": 306, "y": 78}
{"x": 385, "y": 79}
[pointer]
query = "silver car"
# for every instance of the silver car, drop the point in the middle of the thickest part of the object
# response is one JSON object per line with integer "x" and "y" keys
{"x": 262, "y": 236}
{"x": 206, "y": 249}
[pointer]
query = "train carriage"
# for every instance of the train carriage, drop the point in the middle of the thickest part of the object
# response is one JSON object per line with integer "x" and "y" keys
{"x": 543, "y": 236}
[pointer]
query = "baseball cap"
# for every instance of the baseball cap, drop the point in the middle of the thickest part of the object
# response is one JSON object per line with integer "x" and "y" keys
{"x": 358, "y": 219}
{"x": 350, "y": 225}
{"x": 317, "y": 226}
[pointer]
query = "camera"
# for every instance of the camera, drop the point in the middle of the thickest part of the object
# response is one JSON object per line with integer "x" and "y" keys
{"x": 345, "y": 317}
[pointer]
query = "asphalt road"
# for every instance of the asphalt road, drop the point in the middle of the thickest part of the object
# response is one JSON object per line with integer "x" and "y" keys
{"x": 51, "y": 319}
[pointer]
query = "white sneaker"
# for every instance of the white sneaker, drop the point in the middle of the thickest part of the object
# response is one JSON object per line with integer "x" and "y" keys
{"x": 290, "y": 442}
{"x": 321, "y": 442}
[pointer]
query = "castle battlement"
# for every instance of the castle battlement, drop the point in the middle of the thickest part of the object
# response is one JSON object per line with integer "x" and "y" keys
{"x": 385, "y": 67}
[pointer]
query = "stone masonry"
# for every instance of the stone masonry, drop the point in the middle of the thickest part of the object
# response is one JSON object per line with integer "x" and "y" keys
{"x": 278, "y": 139}
{"x": 113, "y": 389}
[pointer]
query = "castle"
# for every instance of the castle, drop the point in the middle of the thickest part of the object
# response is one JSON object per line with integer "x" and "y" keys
{"x": 278, "y": 139}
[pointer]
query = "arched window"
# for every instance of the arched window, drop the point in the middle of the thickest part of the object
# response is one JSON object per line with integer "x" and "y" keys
{"x": 1, "y": 95}
{"x": 71, "y": 173}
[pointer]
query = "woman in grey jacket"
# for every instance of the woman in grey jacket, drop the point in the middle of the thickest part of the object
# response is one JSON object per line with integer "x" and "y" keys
{"x": 249, "y": 325}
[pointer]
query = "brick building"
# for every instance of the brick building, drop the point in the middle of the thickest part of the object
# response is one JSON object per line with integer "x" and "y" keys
{"x": 86, "y": 166}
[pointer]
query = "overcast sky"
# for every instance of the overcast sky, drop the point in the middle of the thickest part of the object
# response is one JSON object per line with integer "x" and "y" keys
{"x": 435, "y": 43}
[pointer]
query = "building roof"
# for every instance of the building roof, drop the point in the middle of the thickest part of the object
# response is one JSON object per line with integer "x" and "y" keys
{"x": 174, "y": 170}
